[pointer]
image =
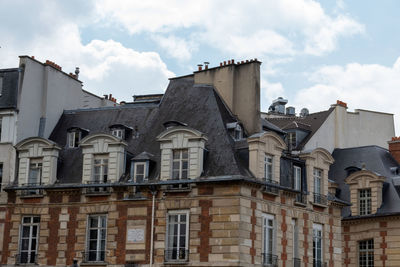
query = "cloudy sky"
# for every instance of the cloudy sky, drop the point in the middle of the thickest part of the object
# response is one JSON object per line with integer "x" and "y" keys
{"x": 313, "y": 52}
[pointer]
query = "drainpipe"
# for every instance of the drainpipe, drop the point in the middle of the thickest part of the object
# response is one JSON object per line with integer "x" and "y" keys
{"x": 152, "y": 227}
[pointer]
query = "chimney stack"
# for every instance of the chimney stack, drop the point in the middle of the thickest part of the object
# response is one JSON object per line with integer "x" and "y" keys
{"x": 394, "y": 148}
{"x": 77, "y": 72}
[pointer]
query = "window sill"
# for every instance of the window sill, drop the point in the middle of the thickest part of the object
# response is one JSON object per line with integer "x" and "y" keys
{"x": 300, "y": 204}
{"x": 320, "y": 205}
{"x": 180, "y": 189}
{"x": 176, "y": 262}
{"x": 94, "y": 263}
{"x": 31, "y": 196}
{"x": 97, "y": 194}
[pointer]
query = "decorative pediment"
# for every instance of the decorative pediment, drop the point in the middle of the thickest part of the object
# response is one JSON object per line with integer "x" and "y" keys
{"x": 320, "y": 155}
{"x": 364, "y": 178}
{"x": 272, "y": 140}
{"x": 186, "y": 132}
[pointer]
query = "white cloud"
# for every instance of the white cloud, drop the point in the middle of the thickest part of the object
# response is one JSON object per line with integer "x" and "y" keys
{"x": 270, "y": 91}
{"x": 176, "y": 47}
{"x": 368, "y": 86}
{"x": 251, "y": 28}
{"x": 106, "y": 66}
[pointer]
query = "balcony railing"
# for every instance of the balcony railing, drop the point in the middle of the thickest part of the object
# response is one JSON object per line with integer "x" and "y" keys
{"x": 26, "y": 258}
{"x": 296, "y": 262}
{"x": 94, "y": 256}
{"x": 97, "y": 190}
{"x": 317, "y": 263}
{"x": 301, "y": 198}
{"x": 320, "y": 199}
{"x": 176, "y": 254}
{"x": 178, "y": 186}
{"x": 269, "y": 260}
{"x": 271, "y": 187}
{"x": 31, "y": 192}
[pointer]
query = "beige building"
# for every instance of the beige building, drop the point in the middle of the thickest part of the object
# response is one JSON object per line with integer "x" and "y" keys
{"x": 193, "y": 180}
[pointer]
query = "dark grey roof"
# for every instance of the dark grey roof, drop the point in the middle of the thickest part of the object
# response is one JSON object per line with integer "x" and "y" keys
{"x": 373, "y": 158}
{"x": 311, "y": 123}
{"x": 271, "y": 127}
{"x": 9, "y": 92}
{"x": 199, "y": 106}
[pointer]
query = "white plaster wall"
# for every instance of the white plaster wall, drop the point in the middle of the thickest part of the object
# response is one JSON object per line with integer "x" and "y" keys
{"x": 8, "y": 126}
{"x": 88, "y": 100}
{"x": 324, "y": 137}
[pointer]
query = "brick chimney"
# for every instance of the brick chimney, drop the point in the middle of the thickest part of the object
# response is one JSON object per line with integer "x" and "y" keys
{"x": 239, "y": 86}
{"x": 394, "y": 148}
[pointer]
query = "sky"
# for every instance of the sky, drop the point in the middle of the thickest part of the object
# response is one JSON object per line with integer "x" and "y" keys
{"x": 312, "y": 52}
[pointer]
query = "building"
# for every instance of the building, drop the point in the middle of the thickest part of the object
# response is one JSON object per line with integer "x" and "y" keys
{"x": 187, "y": 178}
{"x": 32, "y": 100}
{"x": 368, "y": 177}
{"x": 332, "y": 128}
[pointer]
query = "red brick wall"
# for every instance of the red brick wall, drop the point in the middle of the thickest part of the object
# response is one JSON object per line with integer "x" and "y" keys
{"x": 205, "y": 219}
{"x": 53, "y": 239}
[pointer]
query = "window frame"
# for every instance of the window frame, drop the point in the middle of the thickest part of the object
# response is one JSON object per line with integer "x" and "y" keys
{"x": 295, "y": 239}
{"x": 145, "y": 170}
{"x": 186, "y": 235}
{"x": 38, "y": 165}
{"x": 318, "y": 228}
{"x": 292, "y": 138}
{"x": 297, "y": 177}
{"x": 1, "y": 174}
{"x": 318, "y": 176}
{"x": 31, "y": 224}
{"x": 268, "y": 238}
{"x": 367, "y": 252}
{"x": 365, "y": 202}
{"x": 180, "y": 160}
{"x": 268, "y": 163}
{"x": 73, "y": 138}
{"x": 118, "y": 132}
{"x": 102, "y": 165}
{"x": 1, "y": 127}
{"x": 88, "y": 239}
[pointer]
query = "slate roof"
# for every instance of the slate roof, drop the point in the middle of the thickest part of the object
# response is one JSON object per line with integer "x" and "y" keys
{"x": 9, "y": 92}
{"x": 375, "y": 159}
{"x": 199, "y": 106}
{"x": 311, "y": 123}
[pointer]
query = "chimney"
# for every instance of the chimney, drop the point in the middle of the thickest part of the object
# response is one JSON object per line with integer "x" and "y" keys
{"x": 77, "y": 72}
{"x": 206, "y": 65}
{"x": 200, "y": 66}
{"x": 239, "y": 88}
{"x": 394, "y": 148}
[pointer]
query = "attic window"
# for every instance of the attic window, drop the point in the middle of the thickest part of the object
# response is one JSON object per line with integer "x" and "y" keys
{"x": 350, "y": 170}
{"x": 235, "y": 130}
{"x": 120, "y": 133}
{"x": 291, "y": 140}
{"x": 74, "y": 137}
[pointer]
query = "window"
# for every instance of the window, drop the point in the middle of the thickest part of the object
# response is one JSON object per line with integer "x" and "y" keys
{"x": 366, "y": 253}
{"x": 268, "y": 238}
{"x": 268, "y": 161}
{"x": 297, "y": 178}
{"x": 1, "y": 123}
{"x": 364, "y": 201}
{"x": 291, "y": 140}
{"x": 1, "y": 175}
{"x": 177, "y": 236}
{"x": 35, "y": 172}
{"x": 317, "y": 181}
{"x": 317, "y": 245}
{"x": 96, "y": 238}
{"x": 120, "y": 133}
{"x": 180, "y": 163}
{"x": 140, "y": 172}
{"x": 28, "y": 243}
{"x": 100, "y": 169}
{"x": 73, "y": 138}
{"x": 296, "y": 257}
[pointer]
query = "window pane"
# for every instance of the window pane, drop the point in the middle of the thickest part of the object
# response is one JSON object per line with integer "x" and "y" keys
{"x": 139, "y": 169}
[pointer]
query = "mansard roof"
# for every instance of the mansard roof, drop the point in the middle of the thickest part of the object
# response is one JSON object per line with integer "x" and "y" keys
{"x": 371, "y": 158}
{"x": 198, "y": 106}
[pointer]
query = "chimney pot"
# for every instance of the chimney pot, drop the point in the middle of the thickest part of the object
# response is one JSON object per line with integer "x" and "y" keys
{"x": 247, "y": 61}
{"x": 220, "y": 64}
{"x": 229, "y": 62}
{"x": 224, "y": 63}
{"x": 233, "y": 61}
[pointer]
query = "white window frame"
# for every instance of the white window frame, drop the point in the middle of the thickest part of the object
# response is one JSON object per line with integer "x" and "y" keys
{"x": 119, "y": 133}
{"x": 145, "y": 170}
{"x": 73, "y": 137}
{"x": 103, "y": 167}
{"x": 318, "y": 235}
{"x": 31, "y": 224}
{"x": 98, "y": 239}
{"x": 365, "y": 201}
{"x": 369, "y": 257}
{"x": 292, "y": 138}
{"x": 269, "y": 167}
{"x": 180, "y": 161}
{"x": 187, "y": 237}
{"x": 268, "y": 238}
{"x": 297, "y": 177}
{"x": 35, "y": 164}
{"x": 318, "y": 174}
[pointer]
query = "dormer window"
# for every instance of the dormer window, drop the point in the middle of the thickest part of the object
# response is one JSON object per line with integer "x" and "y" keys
{"x": 74, "y": 136}
{"x": 120, "y": 133}
{"x": 180, "y": 164}
{"x": 291, "y": 140}
{"x": 139, "y": 171}
{"x": 268, "y": 167}
{"x": 100, "y": 169}
{"x": 364, "y": 200}
{"x": 235, "y": 130}
{"x": 35, "y": 172}
{"x": 140, "y": 167}
{"x": 297, "y": 178}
